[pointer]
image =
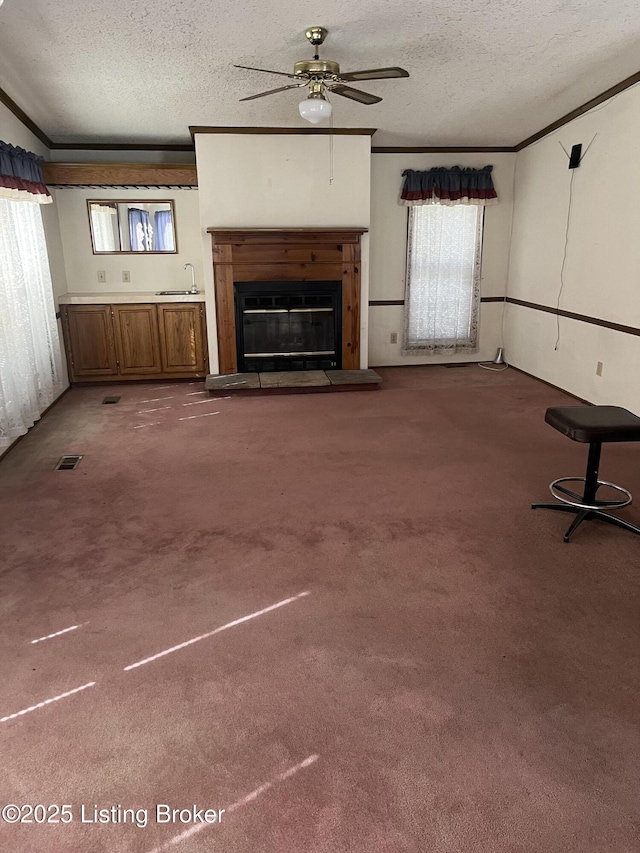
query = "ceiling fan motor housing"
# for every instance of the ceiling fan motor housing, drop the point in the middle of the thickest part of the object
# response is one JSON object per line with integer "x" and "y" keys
{"x": 322, "y": 76}
{"x": 316, "y": 35}
{"x": 321, "y": 67}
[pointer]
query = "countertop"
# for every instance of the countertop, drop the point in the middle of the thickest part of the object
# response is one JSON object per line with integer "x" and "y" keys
{"x": 132, "y": 296}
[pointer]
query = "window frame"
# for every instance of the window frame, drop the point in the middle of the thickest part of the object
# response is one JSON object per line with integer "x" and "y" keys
{"x": 444, "y": 345}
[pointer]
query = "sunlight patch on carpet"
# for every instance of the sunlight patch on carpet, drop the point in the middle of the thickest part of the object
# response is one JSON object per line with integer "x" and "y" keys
{"x": 59, "y": 633}
{"x": 216, "y": 631}
{"x": 249, "y": 798}
{"x": 46, "y": 702}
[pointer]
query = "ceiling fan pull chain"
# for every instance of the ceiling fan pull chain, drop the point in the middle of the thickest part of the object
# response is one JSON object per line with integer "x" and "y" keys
{"x": 330, "y": 147}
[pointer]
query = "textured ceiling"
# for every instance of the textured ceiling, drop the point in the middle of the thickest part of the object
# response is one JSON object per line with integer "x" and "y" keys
{"x": 482, "y": 73}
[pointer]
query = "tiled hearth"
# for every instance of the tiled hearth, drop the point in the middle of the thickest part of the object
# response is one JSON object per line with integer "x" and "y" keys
{"x": 292, "y": 382}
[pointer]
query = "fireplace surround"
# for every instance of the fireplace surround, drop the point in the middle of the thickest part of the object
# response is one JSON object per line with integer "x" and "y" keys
{"x": 297, "y": 272}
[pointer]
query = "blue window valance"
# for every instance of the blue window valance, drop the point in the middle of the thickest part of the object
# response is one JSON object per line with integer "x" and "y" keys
{"x": 456, "y": 185}
{"x": 21, "y": 175}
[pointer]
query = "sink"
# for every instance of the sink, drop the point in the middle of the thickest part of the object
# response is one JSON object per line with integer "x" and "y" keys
{"x": 176, "y": 293}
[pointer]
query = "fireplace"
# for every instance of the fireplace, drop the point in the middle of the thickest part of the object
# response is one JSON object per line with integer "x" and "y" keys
{"x": 288, "y": 325}
{"x": 287, "y": 298}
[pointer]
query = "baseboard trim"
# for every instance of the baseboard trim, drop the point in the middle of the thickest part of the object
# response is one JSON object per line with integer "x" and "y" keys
{"x": 551, "y": 385}
{"x": 436, "y": 364}
{"x": 465, "y": 363}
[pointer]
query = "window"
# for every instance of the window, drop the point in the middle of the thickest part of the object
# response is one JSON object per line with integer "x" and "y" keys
{"x": 443, "y": 278}
{"x": 30, "y": 362}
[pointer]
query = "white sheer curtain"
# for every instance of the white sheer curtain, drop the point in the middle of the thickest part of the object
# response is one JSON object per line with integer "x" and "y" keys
{"x": 30, "y": 361}
{"x": 443, "y": 279}
{"x": 104, "y": 227}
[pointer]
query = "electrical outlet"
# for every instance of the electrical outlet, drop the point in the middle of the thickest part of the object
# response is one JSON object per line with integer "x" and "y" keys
{"x": 126, "y": 275}
{"x": 394, "y": 337}
{"x": 102, "y": 276}
{"x": 599, "y": 368}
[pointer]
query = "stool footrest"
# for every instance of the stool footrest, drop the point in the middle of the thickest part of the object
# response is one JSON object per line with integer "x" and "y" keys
{"x": 593, "y": 425}
{"x": 575, "y": 500}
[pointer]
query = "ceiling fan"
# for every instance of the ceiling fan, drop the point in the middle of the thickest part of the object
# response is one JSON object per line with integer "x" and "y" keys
{"x": 323, "y": 75}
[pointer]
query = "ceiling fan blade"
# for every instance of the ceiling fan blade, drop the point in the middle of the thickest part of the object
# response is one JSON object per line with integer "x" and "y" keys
{"x": 375, "y": 74}
{"x": 355, "y": 94}
{"x": 273, "y": 91}
{"x": 267, "y": 71}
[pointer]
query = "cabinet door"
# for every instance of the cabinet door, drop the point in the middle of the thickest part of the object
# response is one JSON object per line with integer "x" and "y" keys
{"x": 137, "y": 341}
{"x": 182, "y": 337}
{"x": 90, "y": 341}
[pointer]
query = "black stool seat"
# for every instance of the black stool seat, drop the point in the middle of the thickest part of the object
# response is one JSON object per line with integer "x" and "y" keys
{"x": 593, "y": 425}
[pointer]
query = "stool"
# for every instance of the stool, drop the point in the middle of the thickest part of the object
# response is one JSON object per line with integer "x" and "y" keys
{"x": 592, "y": 425}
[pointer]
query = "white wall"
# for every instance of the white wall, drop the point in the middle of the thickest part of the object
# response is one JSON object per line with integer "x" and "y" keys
{"x": 388, "y": 237}
{"x": 148, "y": 272}
{"x": 282, "y": 181}
{"x": 602, "y": 268}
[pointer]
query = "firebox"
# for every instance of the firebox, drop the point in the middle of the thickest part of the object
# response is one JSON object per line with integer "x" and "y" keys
{"x": 288, "y": 325}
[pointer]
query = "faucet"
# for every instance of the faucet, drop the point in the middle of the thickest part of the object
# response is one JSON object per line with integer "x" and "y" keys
{"x": 194, "y": 287}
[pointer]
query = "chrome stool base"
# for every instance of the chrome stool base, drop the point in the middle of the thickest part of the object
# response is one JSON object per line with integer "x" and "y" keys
{"x": 577, "y": 504}
{"x": 586, "y": 515}
{"x": 592, "y": 425}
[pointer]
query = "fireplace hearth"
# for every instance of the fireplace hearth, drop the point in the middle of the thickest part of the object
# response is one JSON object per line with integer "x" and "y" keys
{"x": 285, "y": 325}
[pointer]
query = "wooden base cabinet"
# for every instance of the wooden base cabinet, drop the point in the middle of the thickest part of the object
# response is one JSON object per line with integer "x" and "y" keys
{"x": 107, "y": 343}
{"x": 182, "y": 337}
{"x": 90, "y": 342}
{"x": 137, "y": 339}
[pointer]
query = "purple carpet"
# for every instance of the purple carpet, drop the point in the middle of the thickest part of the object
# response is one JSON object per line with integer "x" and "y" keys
{"x": 334, "y": 617}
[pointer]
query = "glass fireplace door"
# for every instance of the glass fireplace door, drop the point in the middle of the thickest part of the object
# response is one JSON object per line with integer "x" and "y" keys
{"x": 288, "y": 326}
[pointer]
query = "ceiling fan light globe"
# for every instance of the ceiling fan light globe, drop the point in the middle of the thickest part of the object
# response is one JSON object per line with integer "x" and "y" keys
{"x": 314, "y": 110}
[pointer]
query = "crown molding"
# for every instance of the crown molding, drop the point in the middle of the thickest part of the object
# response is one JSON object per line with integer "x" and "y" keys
{"x": 338, "y": 131}
{"x": 24, "y": 118}
{"x": 589, "y": 105}
{"x": 441, "y": 149}
{"x": 295, "y": 131}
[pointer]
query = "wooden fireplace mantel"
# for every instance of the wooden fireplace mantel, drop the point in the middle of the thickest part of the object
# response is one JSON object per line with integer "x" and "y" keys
{"x": 286, "y": 254}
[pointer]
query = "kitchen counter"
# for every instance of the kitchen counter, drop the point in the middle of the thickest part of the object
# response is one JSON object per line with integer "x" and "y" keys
{"x": 132, "y": 296}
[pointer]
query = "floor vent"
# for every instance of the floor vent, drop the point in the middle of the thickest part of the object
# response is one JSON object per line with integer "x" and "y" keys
{"x": 110, "y": 400}
{"x": 67, "y": 463}
{"x": 459, "y": 364}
